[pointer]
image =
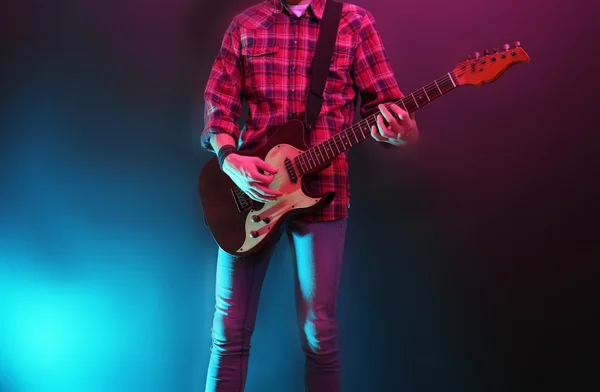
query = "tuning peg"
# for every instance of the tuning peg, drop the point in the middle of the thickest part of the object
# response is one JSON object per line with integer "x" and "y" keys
{"x": 469, "y": 58}
{"x": 495, "y": 50}
{"x": 476, "y": 55}
{"x": 506, "y": 46}
{"x": 516, "y": 44}
{"x": 486, "y": 52}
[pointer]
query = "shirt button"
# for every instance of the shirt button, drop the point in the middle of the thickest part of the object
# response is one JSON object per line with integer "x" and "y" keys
{"x": 293, "y": 67}
{"x": 295, "y": 42}
{"x": 293, "y": 90}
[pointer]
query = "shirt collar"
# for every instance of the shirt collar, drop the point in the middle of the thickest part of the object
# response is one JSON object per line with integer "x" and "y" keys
{"x": 318, "y": 6}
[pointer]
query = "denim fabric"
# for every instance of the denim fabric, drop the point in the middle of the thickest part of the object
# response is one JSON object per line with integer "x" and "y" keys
{"x": 317, "y": 252}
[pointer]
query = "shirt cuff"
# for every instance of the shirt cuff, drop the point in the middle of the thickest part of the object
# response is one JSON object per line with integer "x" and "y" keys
{"x": 214, "y": 129}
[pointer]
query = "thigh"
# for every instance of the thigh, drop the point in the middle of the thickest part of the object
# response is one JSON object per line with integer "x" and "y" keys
{"x": 238, "y": 284}
{"x": 317, "y": 249}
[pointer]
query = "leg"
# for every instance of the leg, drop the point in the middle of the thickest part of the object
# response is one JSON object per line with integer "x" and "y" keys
{"x": 318, "y": 250}
{"x": 238, "y": 285}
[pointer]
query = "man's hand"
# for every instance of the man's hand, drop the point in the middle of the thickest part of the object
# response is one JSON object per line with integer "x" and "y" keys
{"x": 401, "y": 131}
{"x": 247, "y": 173}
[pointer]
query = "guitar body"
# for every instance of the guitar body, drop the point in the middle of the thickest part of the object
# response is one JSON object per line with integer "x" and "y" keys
{"x": 242, "y": 226}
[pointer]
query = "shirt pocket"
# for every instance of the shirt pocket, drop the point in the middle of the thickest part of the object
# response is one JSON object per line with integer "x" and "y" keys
{"x": 342, "y": 62}
{"x": 260, "y": 61}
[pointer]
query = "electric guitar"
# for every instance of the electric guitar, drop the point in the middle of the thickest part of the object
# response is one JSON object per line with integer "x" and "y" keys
{"x": 242, "y": 226}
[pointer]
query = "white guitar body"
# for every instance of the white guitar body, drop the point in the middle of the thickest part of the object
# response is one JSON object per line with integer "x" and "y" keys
{"x": 272, "y": 212}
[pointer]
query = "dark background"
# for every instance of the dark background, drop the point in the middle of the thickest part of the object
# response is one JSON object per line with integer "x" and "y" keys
{"x": 471, "y": 260}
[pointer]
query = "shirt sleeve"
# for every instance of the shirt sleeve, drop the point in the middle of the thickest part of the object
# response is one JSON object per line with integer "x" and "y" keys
{"x": 222, "y": 97}
{"x": 373, "y": 73}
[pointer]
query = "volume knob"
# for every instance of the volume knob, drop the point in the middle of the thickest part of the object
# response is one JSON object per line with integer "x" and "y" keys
{"x": 254, "y": 234}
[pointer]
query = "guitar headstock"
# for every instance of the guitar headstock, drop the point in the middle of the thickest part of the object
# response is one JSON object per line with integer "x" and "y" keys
{"x": 477, "y": 69}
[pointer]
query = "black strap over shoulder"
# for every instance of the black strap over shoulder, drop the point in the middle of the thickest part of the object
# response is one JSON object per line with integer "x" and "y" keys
{"x": 320, "y": 65}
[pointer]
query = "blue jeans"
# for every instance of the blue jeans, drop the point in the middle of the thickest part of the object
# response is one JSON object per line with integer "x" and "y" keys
{"x": 317, "y": 249}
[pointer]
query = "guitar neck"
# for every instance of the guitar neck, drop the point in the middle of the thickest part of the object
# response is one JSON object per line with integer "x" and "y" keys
{"x": 326, "y": 151}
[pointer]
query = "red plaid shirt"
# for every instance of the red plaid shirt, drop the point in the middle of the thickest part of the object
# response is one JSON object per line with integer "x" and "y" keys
{"x": 265, "y": 58}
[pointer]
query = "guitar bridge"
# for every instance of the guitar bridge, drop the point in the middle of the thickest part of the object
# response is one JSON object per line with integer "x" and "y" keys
{"x": 242, "y": 201}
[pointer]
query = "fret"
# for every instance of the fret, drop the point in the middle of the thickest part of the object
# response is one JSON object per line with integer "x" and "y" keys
{"x": 403, "y": 104}
{"x": 305, "y": 163}
{"x": 325, "y": 150}
{"x": 318, "y": 154}
{"x": 372, "y": 125}
{"x": 451, "y": 79}
{"x": 438, "y": 87}
{"x": 336, "y": 144}
{"x": 299, "y": 162}
{"x": 432, "y": 93}
{"x": 344, "y": 141}
{"x": 309, "y": 159}
{"x": 427, "y": 95}
{"x": 330, "y": 141}
{"x": 315, "y": 156}
{"x": 414, "y": 99}
{"x": 354, "y": 133}
{"x": 361, "y": 130}
{"x": 444, "y": 84}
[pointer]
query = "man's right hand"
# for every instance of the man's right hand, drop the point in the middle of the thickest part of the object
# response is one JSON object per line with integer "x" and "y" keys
{"x": 252, "y": 175}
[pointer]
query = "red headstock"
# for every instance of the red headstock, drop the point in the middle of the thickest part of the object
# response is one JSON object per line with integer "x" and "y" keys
{"x": 477, "y": 70}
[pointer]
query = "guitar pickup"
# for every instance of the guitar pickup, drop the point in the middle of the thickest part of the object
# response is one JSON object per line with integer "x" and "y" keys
{"x": 289, "y": 166}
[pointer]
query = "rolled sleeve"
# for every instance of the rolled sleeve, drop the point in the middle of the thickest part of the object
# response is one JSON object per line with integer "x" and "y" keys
{"x": 222, "y": 97}
{"x": 373, "y": 73}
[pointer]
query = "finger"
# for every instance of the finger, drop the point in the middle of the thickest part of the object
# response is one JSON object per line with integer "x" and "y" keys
{"x": 398, "y": 143}
{"x": 265, "y": 166}
{"x": 258, "y": 195}
{"x": 393, "y": 141}
{"x": 260, "y": 178}
{"x": 386, "y": 114}
{"x": 383, "y": 129}
{"x": 396, "y": 121}
{"x": 267, "y": 192}
{"x": 255, "y": 196}
{"x": 399, "y": 112}
{"x": 375, "y": 134}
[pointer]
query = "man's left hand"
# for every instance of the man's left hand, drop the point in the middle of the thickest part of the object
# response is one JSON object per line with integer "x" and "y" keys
{"x": 401, "y": 130}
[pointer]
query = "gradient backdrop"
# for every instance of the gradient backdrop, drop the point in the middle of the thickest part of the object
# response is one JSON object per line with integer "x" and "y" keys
{"x": 471, "y": 261}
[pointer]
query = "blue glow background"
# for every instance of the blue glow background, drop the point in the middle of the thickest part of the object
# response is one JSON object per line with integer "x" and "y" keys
{"x": 470, "y": 264}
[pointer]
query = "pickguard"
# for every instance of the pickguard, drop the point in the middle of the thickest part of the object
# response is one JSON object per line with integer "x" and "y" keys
{"x": 272, "y": 212}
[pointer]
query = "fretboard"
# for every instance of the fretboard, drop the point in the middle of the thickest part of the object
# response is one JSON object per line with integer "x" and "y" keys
{"x": 324, "y": 152}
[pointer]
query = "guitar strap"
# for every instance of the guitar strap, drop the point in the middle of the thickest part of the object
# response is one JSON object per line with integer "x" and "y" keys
{"x": 320, "y": 64}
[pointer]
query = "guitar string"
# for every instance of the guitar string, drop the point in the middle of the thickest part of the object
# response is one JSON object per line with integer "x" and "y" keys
{"x": 437, "y": 86}
{"x": 311, "y": 153}
{"x": 316, "y": 153}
